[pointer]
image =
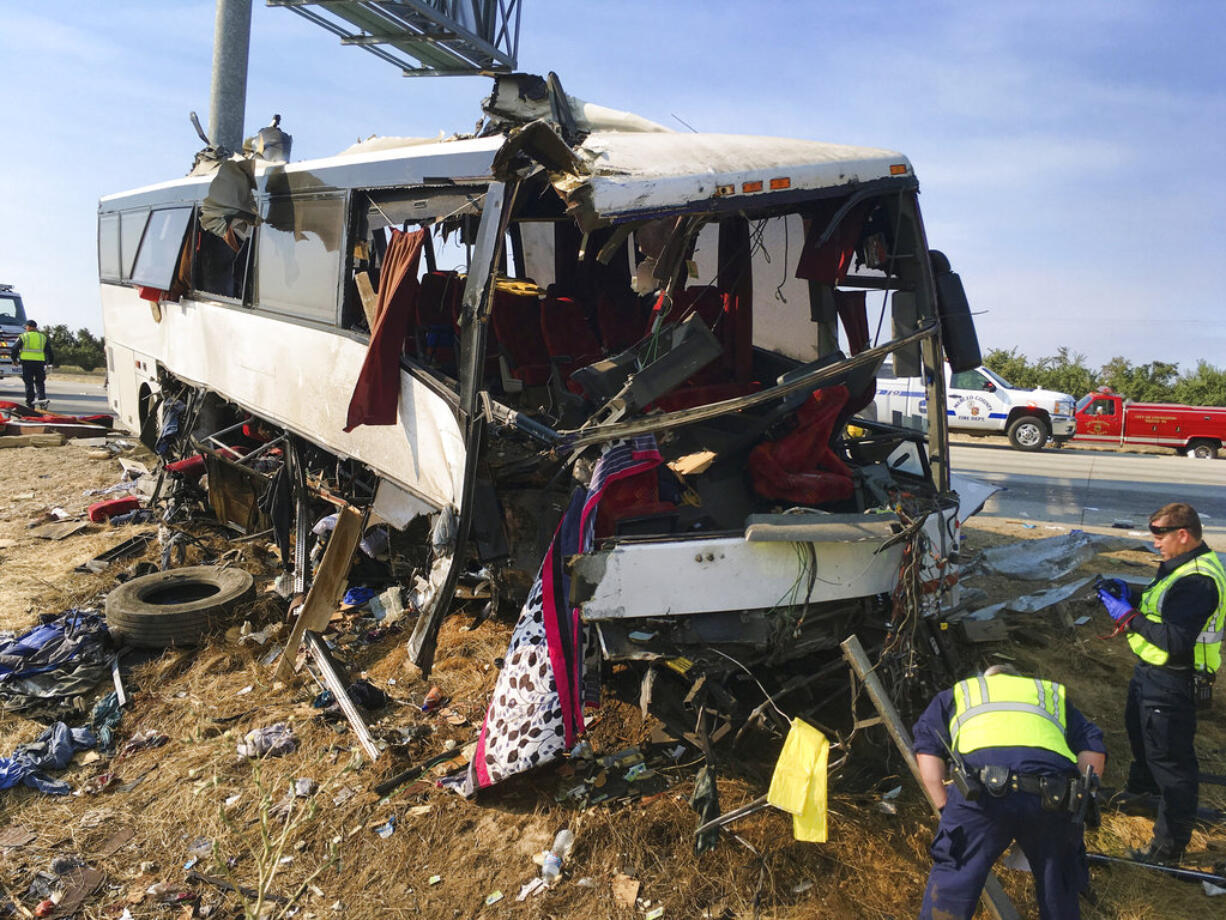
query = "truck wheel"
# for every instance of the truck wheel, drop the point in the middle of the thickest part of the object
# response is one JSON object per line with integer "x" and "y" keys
{"x": 1202, "y": 448}
{"x": 176, "y": 607}
{"x": 1028, "y": 432}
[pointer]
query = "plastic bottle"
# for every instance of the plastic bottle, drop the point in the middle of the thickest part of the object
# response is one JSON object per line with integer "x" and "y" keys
{"x": 551, "y": 866}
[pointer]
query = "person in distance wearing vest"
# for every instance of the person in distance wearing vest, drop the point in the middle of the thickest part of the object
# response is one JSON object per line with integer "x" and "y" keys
{"x": 1175, "y": 628}
{"x": 33, "y": 349}
{"x": 1017, "y": 750}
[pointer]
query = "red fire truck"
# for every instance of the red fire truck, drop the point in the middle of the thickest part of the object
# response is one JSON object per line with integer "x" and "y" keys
{"x": 1106, "y": 416}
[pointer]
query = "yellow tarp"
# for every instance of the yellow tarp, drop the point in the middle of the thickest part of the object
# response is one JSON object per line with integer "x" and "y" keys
{"x": 798, "y": 785}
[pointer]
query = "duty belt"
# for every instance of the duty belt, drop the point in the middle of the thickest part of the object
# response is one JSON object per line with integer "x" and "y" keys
{"x": 1053, "y": 791}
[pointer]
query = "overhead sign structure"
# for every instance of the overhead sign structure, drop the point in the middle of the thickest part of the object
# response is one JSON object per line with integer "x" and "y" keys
{"x": 424, "y": 37}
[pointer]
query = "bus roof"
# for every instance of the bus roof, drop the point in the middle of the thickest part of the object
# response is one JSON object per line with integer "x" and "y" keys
{"x": 622, "y": 174}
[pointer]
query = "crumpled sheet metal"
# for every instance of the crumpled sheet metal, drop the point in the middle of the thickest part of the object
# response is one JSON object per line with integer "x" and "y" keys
{"x": 1033, "y": 603}
{"x": 1051, "y": 558}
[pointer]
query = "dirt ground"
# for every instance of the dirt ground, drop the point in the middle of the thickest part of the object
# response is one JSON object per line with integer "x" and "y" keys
{"x": 195, "y": 801}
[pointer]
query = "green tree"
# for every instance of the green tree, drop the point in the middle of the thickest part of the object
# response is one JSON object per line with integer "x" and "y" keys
{"x": 1205, "y": 387}
{"x": 90, "y": 350}
{"x": 83, "y": 350}
{"x": 1012, "y": 366}
{"x": 1066, "y": 372}
{"x": 1152, "y": 382}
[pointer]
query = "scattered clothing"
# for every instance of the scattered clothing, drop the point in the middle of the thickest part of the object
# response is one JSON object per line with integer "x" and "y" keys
{"x": 52, "y": 751}
{"x": 105, "y": 718}
{"x": 43, "y": 669}
{"x": 798, "y": 785}
{"x": 171, "y": 413}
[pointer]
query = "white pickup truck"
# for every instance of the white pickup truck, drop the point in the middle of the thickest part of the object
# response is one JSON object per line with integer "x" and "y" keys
{"x": 979, "y": 402}
{"x": 12, "y": 323}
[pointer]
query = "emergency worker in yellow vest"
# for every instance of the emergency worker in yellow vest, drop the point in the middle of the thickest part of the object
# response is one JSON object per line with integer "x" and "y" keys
{"x": 1016, "y": 750}
{"x": 1175, "y": 628}
{"x": 33, "y": 349}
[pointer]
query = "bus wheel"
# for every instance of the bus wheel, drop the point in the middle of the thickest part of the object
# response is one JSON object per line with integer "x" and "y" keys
{"x": 176, "y": 607}
{"x": 1202, "y": 449}
{"x": 1027, "y": 432}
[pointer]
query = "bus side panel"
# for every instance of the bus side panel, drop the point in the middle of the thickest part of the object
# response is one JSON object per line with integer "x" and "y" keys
{"x": 296, "y": 375}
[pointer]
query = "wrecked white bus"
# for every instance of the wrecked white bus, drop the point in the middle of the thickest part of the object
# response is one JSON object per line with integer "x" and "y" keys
{"x": 630, "y": 407}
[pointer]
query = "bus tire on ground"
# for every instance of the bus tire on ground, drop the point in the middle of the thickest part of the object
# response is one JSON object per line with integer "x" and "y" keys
{"x": 1202, "y": 448}
{"x": 1028, "y": 432}
{"x": 176, "y": 607}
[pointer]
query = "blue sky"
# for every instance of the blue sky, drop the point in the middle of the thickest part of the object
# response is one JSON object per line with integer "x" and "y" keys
{"x": 1068, "y": 153}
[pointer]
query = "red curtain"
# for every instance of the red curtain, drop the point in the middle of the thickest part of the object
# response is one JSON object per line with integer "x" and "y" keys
{"x": 829, "y": 263}
{"x": 377, "y": 392}
{"x": 854, "y": 314}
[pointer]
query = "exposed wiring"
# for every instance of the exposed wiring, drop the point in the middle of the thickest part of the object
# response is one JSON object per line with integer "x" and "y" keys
{"x": 783, "y": 715}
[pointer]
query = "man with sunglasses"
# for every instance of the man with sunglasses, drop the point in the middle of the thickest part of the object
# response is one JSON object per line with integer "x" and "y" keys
{"x": 1175, "y": 628}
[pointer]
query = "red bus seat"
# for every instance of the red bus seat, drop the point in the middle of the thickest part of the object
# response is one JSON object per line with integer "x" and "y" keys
{"x": 517, "y": 324}
{"x": 569, "y": 338}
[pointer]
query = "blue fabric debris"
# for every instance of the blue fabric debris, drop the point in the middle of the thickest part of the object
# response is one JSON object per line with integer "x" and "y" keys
{"x": 170, "y": 426}
{"x": 105, "y": 718}
{"x": 65, "y": 656}
{"x": 356, "y": 597}
{"x": 52, "y": 751}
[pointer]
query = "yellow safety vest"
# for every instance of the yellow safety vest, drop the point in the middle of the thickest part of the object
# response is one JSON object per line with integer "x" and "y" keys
{"x": 33, "y": 346}
{"x": 1008, "y": 711}
{"x": 1208, "y": 653}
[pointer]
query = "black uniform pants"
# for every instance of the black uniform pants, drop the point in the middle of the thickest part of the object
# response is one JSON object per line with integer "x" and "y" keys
{"x": 1160, "y": 716}
{"x": 971, "y": 837}
{"x": 34, "y": 373}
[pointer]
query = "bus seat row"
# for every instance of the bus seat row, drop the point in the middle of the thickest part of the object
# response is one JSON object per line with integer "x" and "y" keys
{"x": 533, "y": 338}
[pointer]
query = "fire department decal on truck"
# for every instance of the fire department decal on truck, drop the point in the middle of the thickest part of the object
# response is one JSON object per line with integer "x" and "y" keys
{"x": 979, "y": 401}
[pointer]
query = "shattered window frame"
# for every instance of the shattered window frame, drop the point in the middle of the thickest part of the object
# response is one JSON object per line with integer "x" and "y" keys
{"x": 283, "y": 295}
{"x": 161, "y": 246}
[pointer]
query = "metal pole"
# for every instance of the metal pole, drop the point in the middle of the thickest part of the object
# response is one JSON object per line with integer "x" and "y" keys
{"x": 228, "y": 100}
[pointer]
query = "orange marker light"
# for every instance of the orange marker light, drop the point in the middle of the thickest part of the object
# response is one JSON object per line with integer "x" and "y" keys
{"x": 777, "y": 184}
{"x": 722, "y": 190}
{"x": 898, "y": 169}
{"x": 747, "y": 187}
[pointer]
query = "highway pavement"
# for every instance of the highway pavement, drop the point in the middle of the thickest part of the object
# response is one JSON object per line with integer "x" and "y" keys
{"x": 1092, "y": 488}
{"x": 68, "y": 396}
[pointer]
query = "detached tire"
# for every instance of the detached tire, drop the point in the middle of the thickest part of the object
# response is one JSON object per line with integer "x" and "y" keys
{"x": 176, "y": 607}
{"x": 1028, "y": 432}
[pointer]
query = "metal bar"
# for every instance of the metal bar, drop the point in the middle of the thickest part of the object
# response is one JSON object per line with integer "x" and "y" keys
{"x": 332, "y": 680}
{"x": 120, "y": 696}
{"x": 425, "y": 37}
{"x": 736, "y": 814}
{"x": 1192, "y": 875}
{"x": 994, "y": 896}
{"x": 302, "y": 523}
{"x": 581, "y": 437}
{"x": 477, "y": 303}
{"x": 262, "y": 449}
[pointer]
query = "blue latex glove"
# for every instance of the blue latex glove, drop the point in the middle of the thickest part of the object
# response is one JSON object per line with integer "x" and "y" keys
{"x": 1117, "y": 587}
{"x": 1117, "y": 608}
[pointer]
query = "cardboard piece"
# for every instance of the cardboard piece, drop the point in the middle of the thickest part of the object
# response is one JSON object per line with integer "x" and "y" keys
{"x": 328, "y": 586}
{"x": 115, "y": 842}
{"x": 16, "y": 835}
